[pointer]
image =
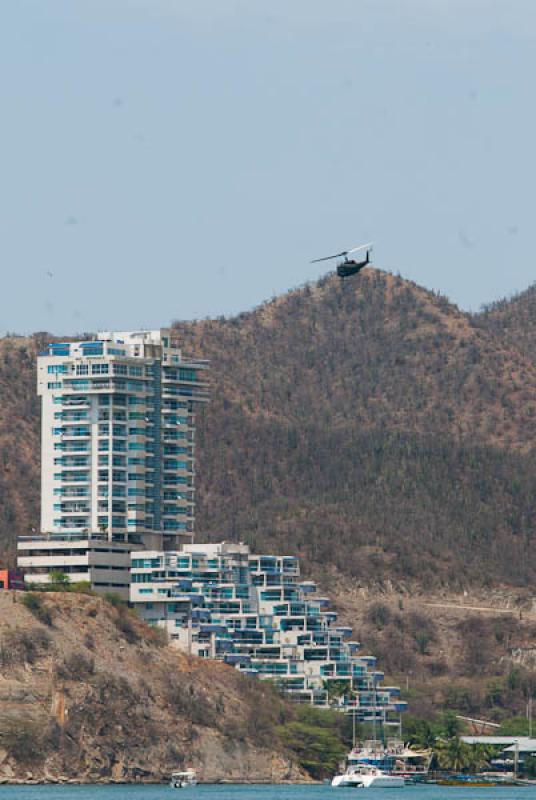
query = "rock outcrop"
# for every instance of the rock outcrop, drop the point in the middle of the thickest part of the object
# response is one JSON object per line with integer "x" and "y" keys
{"x": 97, "y": 696}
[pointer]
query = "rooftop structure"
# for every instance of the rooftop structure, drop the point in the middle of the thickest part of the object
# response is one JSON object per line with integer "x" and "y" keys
{"x": 254, "y": 612}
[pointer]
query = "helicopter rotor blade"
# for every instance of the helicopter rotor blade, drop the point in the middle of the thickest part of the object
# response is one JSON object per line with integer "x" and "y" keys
{"x": 361, "y": 247}
{"x": 328, "y": 258}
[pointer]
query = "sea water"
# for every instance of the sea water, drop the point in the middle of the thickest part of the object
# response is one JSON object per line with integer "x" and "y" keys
{"x": 262, "y": 792}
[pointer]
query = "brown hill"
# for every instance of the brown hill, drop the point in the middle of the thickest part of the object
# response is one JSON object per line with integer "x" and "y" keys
{"x": 88, "y": 692}
{"x": 514, "y": 320}
{"x": 367, "y": 424}
{"x": 371, "y": 426}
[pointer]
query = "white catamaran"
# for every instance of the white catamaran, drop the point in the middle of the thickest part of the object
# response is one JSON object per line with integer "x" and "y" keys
{"x": 366, "y": 777}
{"x": 382, "y": 763}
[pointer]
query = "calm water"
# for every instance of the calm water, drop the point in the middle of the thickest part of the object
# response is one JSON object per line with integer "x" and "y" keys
{"x": 260, "y": 793}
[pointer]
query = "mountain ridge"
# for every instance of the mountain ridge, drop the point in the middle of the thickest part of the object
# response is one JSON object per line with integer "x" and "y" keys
{"x": 343, "y": 414}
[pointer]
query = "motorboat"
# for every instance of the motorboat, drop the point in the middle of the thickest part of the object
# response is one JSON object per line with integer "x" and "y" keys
{"x": 181, "y": 780}
{"x": 367, "y": 777}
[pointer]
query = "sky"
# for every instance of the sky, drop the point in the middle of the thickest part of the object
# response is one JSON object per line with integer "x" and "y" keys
{"x": 180, "y": 159}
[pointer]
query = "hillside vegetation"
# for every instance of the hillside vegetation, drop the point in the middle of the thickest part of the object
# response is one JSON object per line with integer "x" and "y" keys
{"x": 373, "y": 426}
{"x": 369, "y": 424}
{"x": 88, "y": 692}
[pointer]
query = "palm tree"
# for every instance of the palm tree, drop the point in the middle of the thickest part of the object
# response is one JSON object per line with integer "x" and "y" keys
{"x": 453, "y": 754}
{"x": 479, "y": 757}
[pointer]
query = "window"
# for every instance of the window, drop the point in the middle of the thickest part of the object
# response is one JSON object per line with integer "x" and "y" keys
{"x": 136, "y": 372}
{"x": 104, "y": 445}
{"x": 173, "y": 525}
{"x": 137, "y": 462}
{"x": 169, "y": 464}
{"x": 136, "y": 446}
{"x": 92, "y": 348}
{"x": 56, "y": 385}
{"x": 59, "y": 349}
{"x": 187, "y": 374}
{"x": 82, "y": 369}
{"x": 99, "y": 369}
{"x": 120, "y": 369}
{"x": 55, "y": 369}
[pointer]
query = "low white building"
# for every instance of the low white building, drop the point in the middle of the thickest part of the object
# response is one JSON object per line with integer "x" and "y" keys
{"x": 82, "y": 558}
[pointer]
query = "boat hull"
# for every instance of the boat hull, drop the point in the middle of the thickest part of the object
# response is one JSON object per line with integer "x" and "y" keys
{"x": 367, "y": 781}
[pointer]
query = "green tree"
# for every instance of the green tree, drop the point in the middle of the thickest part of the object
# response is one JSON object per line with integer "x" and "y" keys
{"x": 453, "y": 754}
{"x": 479, "y": 756}
{"x": 418, "y": 731}
{"x": 318, "y": 749}
{"x": 59, "y": 580}
{"x": 514, "y": 726}
{"x": 337, "y": 689}
{"x": 530, "y": 766}
{"x": 449, "y": 725}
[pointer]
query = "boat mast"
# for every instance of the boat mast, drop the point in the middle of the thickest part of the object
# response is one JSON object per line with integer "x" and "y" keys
{"x": 374, "y": 709}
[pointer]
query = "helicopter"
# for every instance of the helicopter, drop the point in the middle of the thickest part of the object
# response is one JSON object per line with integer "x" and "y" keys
{"x": 349, "y": 266}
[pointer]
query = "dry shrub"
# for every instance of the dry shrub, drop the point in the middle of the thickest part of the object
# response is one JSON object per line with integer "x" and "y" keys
{"x": 18, "y": 646}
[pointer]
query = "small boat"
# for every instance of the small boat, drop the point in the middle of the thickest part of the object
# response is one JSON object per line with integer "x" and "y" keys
{"x": 181, "y": 780}
{"x": 367, "y": 777}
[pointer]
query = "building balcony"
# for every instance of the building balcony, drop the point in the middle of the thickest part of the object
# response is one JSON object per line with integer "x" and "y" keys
{"x": 76, "y": 402}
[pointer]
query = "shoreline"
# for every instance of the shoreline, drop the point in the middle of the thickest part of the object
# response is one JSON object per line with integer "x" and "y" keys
{"x": 115, "y": 782}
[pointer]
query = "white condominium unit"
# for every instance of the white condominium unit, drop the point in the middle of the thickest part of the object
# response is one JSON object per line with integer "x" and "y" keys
{"x": 117, "y": 448}
{"x": 255, "y": 612}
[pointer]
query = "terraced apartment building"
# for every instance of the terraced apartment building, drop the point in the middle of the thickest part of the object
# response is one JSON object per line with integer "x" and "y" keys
{"x": 256, "y": 613}
{"x": 117, "y": 455}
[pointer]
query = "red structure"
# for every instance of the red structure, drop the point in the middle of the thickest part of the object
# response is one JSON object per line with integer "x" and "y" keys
{"x": 9, "y": 579}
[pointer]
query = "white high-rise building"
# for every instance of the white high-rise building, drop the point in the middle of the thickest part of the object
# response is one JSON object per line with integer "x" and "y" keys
{"x": 117, "y": 450}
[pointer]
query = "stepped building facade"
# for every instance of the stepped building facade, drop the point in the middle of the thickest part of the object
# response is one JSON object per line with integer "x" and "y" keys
{"x": 255, "y": 612}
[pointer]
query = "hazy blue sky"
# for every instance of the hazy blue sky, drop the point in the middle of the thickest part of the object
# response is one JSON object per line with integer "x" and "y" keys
{"x": 176, "y": 159}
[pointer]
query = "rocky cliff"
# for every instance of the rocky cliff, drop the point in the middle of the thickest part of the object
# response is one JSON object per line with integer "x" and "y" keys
{"x": 89, "y": 692}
